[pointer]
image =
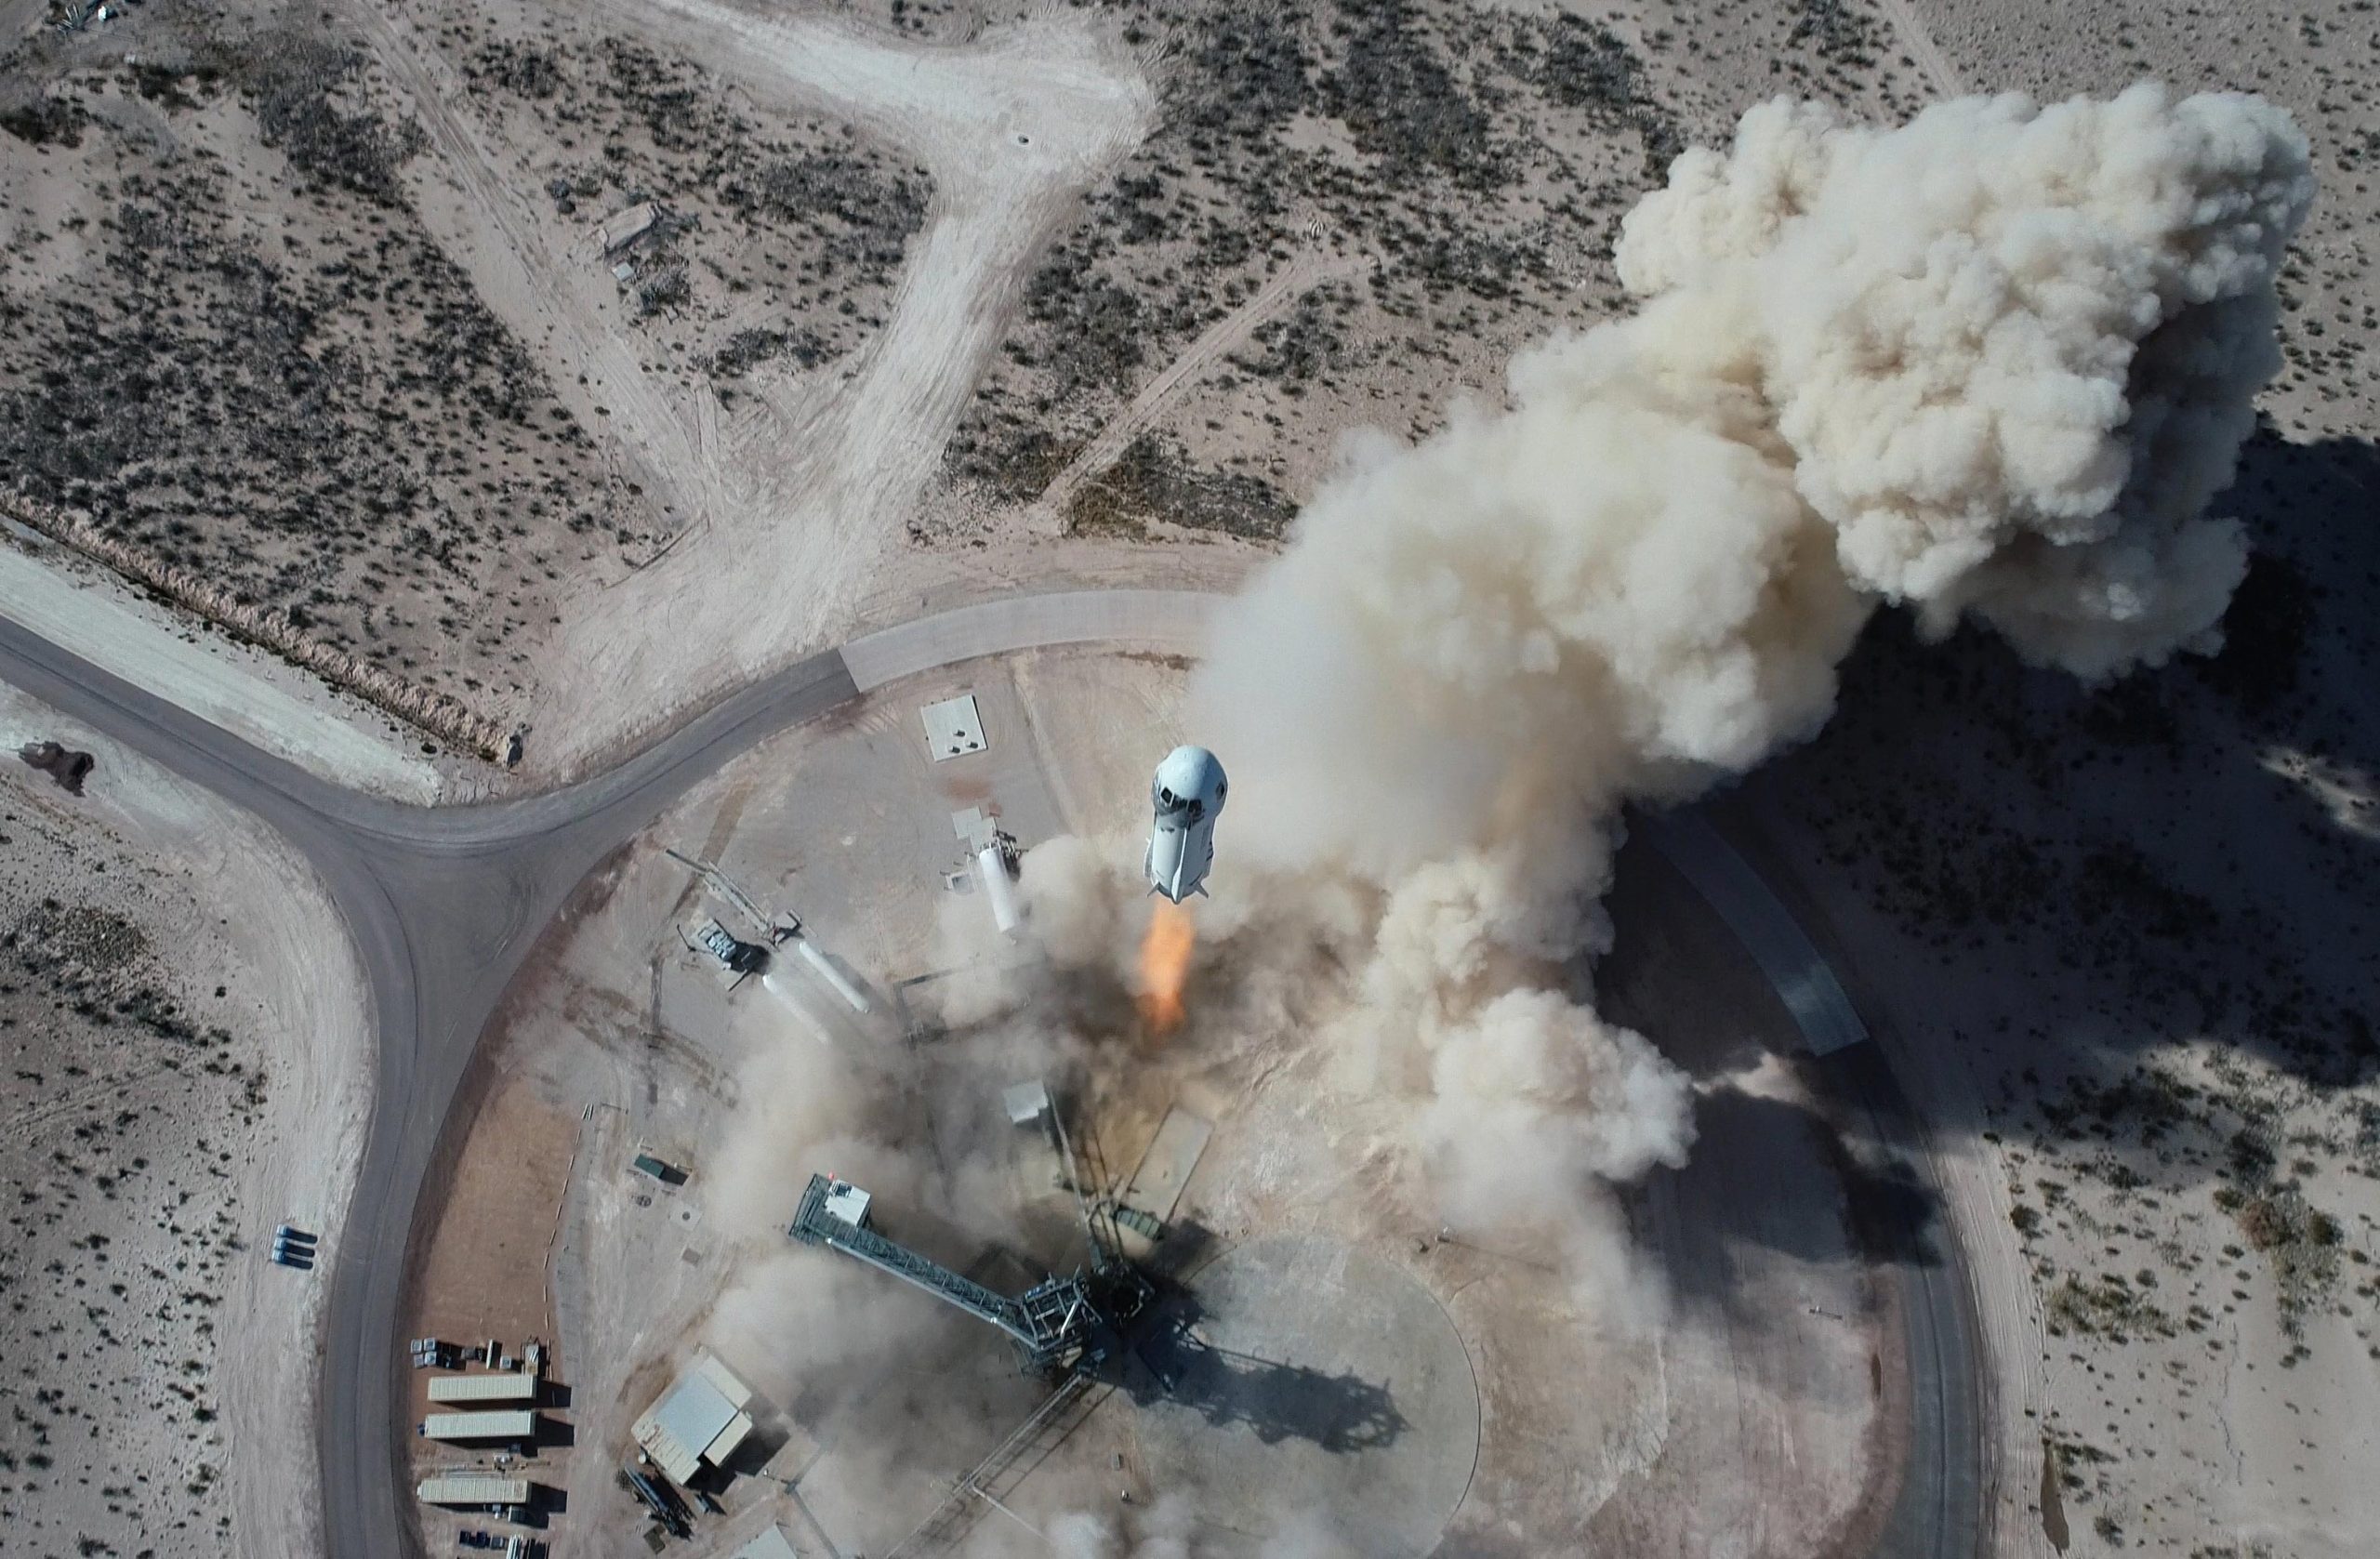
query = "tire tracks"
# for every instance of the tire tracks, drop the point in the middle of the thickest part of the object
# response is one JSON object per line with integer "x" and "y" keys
{"x": 1302, "y": 275}
{"x": 1922, "y": 48}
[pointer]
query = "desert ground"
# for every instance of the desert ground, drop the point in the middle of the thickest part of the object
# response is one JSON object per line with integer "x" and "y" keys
{"x": 915, "y": 305}
{"x": 188, "y": 1069}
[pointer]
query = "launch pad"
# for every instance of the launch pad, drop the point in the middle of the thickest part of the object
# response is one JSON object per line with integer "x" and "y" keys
{"x": 1297, "y": 1362}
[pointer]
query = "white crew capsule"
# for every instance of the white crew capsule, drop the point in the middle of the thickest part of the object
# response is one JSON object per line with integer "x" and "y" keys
{"x": 1188, "y": 795}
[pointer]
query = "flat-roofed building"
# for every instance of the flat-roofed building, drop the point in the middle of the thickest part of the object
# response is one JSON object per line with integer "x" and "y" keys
{"x": 503, "y": 1387}
{"x": 770, "y": 1544}
{"x": 474, "y": 1489}
{"x": 700, "y": 1418}
{"x": 481, "y": 1426}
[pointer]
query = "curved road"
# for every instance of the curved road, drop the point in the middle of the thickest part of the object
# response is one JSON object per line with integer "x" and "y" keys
{"x": 445, "y": 903}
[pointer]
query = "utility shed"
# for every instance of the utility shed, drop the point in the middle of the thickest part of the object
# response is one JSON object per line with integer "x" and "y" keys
{"x": 484, "y": 1388}
{"x": 475, "y": 1489}
{"x": 770, "y": 1544}
{"x": 659, "y": 1168}
{"x": 700, "y": 1418}
{"x": 624, "y": 227}
{"x": 481, "y": 1426}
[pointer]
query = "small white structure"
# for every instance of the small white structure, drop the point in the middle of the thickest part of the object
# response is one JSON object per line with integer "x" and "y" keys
{"x": 699, "y": 1419}
{"x": 519, "y": 1425}
{"x": 954, "y": 729}
{"x": 473, "y": 1491}
{"x": 770, "y": 1544}
{"x": 484, "y": 1388}
{"x": 1025, "y": 1102}
{"x": 848, "y": 1203}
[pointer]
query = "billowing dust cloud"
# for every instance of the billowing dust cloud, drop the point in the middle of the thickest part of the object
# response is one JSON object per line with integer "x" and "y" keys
{"x": 1994, "y": 364}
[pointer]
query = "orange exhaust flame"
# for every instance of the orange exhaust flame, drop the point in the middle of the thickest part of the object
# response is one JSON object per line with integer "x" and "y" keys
{"x": 1165, "y": 965}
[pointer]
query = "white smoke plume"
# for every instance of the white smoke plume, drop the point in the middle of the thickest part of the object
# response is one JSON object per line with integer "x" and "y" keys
{"x": 1996, "y": 361}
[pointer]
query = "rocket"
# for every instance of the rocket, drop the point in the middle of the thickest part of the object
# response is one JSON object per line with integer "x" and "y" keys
{"x": 1188, "y": 795}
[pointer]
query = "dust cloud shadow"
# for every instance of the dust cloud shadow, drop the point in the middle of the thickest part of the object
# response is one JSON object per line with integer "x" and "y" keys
{"x": 2128, "y": 861}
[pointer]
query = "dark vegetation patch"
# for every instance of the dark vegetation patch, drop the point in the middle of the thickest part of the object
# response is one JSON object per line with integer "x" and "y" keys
{"x": 1842, "y": 33}
{"x": 747, "y": 348}
{"x": 1297, "y": 348}
{"x": 1402, "y": 104}
{"x": 1585, "y": 65}
{"x": 1451, "y": 148}
{"x": 1013, "y": 460}
{"x": 44, "y": 119}
{"x": 292, "y": 77}
{"x": 1153, "y": 479}
{"x": 870, "y": 214}
{"x": 338, "y": 428}
{"x": 1094, "y": 328}
{"x": 798, "y": 221}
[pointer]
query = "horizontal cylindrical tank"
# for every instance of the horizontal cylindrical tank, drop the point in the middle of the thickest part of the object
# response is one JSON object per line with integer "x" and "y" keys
{"x": 833, "y": 975}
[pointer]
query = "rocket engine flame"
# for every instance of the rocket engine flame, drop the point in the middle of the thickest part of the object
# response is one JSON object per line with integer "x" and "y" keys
{"x": 1165, "y": 965}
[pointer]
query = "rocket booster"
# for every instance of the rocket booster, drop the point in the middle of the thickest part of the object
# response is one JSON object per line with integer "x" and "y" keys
{"x": 1188, "y": 795}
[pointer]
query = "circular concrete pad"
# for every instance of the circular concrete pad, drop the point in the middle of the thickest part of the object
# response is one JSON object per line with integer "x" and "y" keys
{"x": 1303, "y": 1380}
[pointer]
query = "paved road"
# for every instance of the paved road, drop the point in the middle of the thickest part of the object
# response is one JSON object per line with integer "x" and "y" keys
{"x": 1935, "y": 1511}
{"x": 445, "y": 903}
{"x": 1768, "y": 932}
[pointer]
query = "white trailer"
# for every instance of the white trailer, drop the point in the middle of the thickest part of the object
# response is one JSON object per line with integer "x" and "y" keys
{"x": 473, "y": 1491}
{"x": 484, "y": 1388}
{"x": 481, "y": 1426}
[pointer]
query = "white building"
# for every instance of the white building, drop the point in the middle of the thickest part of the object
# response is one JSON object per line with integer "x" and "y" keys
{"x": 699, "y": 1419}
{"x": 770, "y": 1544}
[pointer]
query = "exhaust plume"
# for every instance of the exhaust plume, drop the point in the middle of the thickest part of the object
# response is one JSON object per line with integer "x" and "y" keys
{"x": 1166, "y": 947}
{"x": 1993, "y": 364}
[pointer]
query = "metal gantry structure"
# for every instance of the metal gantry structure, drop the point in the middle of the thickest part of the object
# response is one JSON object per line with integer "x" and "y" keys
{"x": 1048, "y": 1323}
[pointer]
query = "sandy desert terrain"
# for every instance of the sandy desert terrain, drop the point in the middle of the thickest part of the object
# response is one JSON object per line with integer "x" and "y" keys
{"x": 188, "y": 1068}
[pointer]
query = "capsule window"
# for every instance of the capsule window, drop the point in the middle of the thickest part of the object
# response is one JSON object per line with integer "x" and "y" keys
{"x": 1165, "y": 797}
